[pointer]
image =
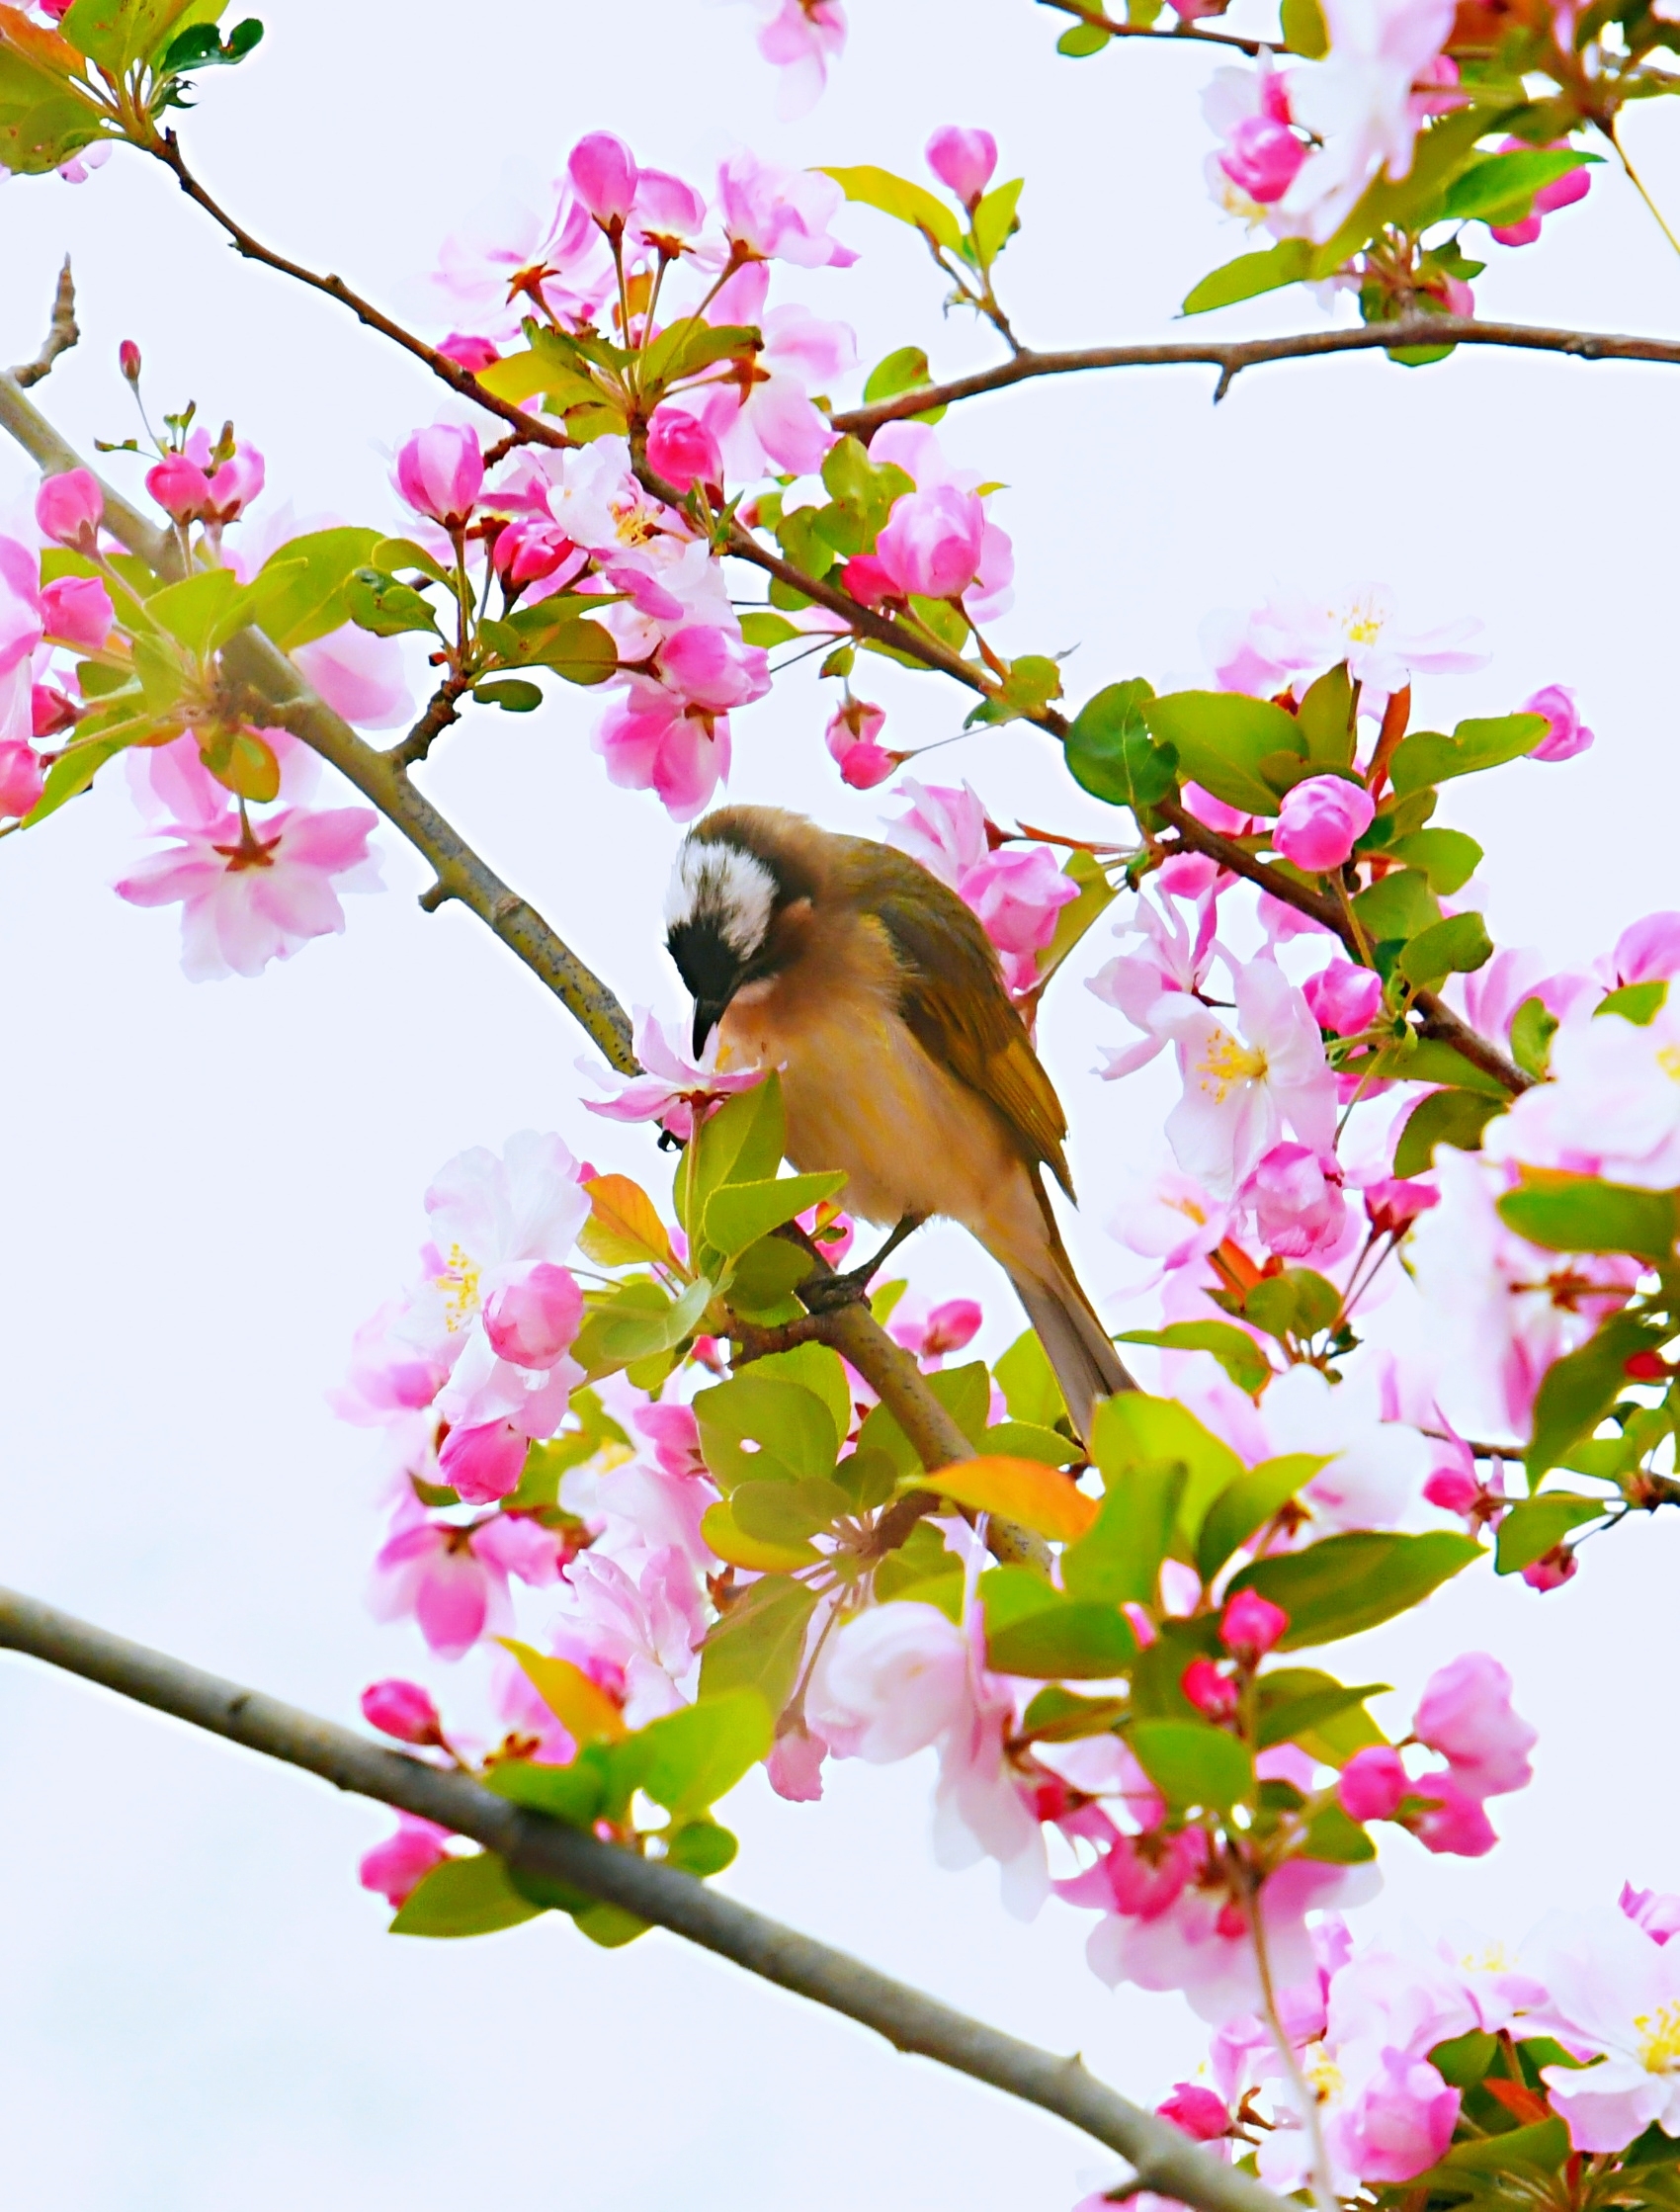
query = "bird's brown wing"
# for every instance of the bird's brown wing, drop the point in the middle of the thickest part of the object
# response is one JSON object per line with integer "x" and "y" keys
{"x": 954, "y": 1001}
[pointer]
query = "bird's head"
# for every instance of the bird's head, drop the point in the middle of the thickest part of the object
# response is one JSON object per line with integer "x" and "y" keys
{"x": 740, "y": 879}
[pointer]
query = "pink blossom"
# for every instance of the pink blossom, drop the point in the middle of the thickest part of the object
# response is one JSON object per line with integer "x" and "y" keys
{"x": 76, "y": 611}
{"x": 1614, "y": 1996}
{"x": 1249, "y": 109}
{"x": 1172, "y": 958}
{"x": 675, "y": 1092}
{"x": 652, "y": 741}
{"x": 771, "y": 213}
{"x": 180, "y": 487}
{"x": 1199, "y": 2112}
{"x": 1299, "y": 1212}
{"x": 230, "y": 488}
{"x": 51, "y": 710}
{"x": 1612, "y": 1108}
{"x": 930, "y": 544}
{"x": 962, "y": 161}
{"x": 1401, "y": 2123}
{"x": 711, "y": 668}
{"x": 945, "y": 830}
{"x": 947, "y": 1328}
{"x": 531, "y": 1319}
{"x": 794, "y": 1766}
{"x": 1375, "y": 1467}
{"x": 1455, "y": 1823}
{"x": 395, "y": 1869}
{"x": 772, "y": 423}
{"x": 469, "y": 353}
{"x": 603, "y": 176}
{"x": 1263, "y": 157}
{"x": 1251, "y": 1625}
{"x": 851, "y": 735}
{"x": 1551, "y": 1569}
{"x": 359, "y": 675}
{"x": 70, "y": 507}
{"x": 1239, "y": 1092}
{"x": 802, "y": 39}
{"x": 1287, "y": 642}
{"x": 1658, "y": 1916}
{"x": 1454, "y": 1489}
{"x": 643, "y": 1629}
{"x": 674, "y": 1433}
{"x": 454, "y": 1580}
{"x": 1561, "y": 192}
{"x": 256, "y": 893}
{"x": 1208, "y": 1689}
{"x": 439, "y": 472}
{"x": 22, "y": 776}
{"x": 1371, "y": 1784}
{"x": 402, "y": 1709}
{"x": 1321, "y": 819}
{"x": 1017, "y": 893}
{"x": 1566, "y": 735}
{"x": 684, "y": 452}
{"x": 1648, "y": 950}
{"x": 506, "y": 255}
{"x": 532, "y": 549}
{"x": 1465, "y": 1715}
{"x": 1141, "y": 1877}
{"x": 1394, "y": 1203}
{"x": 669, "y": 214}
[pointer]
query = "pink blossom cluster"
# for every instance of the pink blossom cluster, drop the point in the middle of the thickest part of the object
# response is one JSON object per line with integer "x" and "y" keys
{"x": 1016, "y": 890}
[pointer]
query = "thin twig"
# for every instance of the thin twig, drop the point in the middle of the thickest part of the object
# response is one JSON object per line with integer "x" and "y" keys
{"x": 441, "y": 709}
{"x": 61, "y": 331}
{"x": 1165, "y": 2160}
{"x": 1182, "y": 33}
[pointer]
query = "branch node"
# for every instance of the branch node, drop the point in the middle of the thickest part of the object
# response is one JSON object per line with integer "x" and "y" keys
{"x": 434, "y": 895}
{"x": 1227, "y": 376}
{"x": 61, "y": 331}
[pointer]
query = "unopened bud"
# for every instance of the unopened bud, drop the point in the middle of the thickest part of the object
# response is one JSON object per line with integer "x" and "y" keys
{"x": 128, "y": 360}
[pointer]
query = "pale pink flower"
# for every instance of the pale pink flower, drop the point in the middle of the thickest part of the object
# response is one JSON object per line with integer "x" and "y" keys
{"x": 69, "y": 508}
{"x": 801, "y": 39}
{"x": 643, "y": 1631}
{"x": 1371, "y": 1784}
{"x": 1344, "y": 998}
{"x": 1376, "y": 1467}
{"x": 1249, "y": 109}
{"x": 770, "y": 214}
{"x": 20, "y": 635}
{"x": 254, "y": 894}
{"x": 1321, "y": 819}
{"x": 1240, "y": 1091}
{"x": 1285, "y": 643}
{"x": 1171, "y": 958}
{"x": 1614, "y": 1995}
{"x": 1648, "y": 950}
{"x": 1566, "y": 735}
{"x": 395, "y": 1869}
{"x": 652, "y": 740}
{"x": 439, "y": 472}
{"x": 1465, "y": 1715}
{"x": 772, "y": 424}
{"x": 673, "y": 1090}
{"x": 360, "y": 676}
{"x": 604, "y": 175}
{"x": 1017, "y": 892}
{"x": 505, "y": 252}
{"x": 1299, "y": 1212}
{"x": 674, "y": 1433}
{"x": 930, "y": 544}
{"x": 1177, "y": 1221}
{"x": 454, "y": 1580}
{"x": 1658, "y": 1914}
{"x": 962, "y": 160}
{"x": 793, "y": 1768}
{"x": 711, "y": 668}
{"x": 668, "y": 216}
{"x": 915, "y": 448}
{"x": 1456, "y": 1821}
{"x": 945, "y": 830}
{"x": 1612, "y": 1108}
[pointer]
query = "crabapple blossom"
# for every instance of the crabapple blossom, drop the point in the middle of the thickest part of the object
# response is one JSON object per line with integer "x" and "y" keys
{"x": 1211, "y": 1691}
{"x": 1320, "y": 821}
{"x": 396, "y": 1867}
{"x": 180, "y": 487}
{"x": 652, "y": 740}
{"x": 930, "y": 544}
{"x": 359, "y": 675}
{"x": 1614, "y": 1996}
{"x": 1241, "y": 1090}
{"x": 800, "y": 38}
{"x": 1454, "y": 1821}
{"x": 76, "y": 611}
{"x": 1017, "y": 892}
{"x": 402, "y": 1709}
{"x": 1250, "y": 1624}
{"x": 1296, "y": 1194}
{"x": 1249, "y": 109}
{"x": 851, "y": 735}
{"x": 945, "y": 830}
{"x": 1371, "y": 1784}
{"x": 1561, "y": 192}
{"x": 1285, "y": 642}
{"x": 772, "y": 423}
{"x": 675, "y": 1092}
{"x": 1374, "y": 1467}
{"x": 712, "y": 669}
{"x": 1465, "y": 1715}
{"x": 22, "y": 776}
{"x": 1612, "y": 1108}
{"x": 604, "y": 175}
{"x": 1565, "y": 735}
{"x": 453, "y": 1581}
{"x": 439, "y": 472}
{"x": 962, "y": 161}
{"x": 950, "y": 1326}
{"x": 1172, "y": 958}
{"x": 771, "y": 213}
{"x": 508, "y": 258}
{"x": 684, "y": 452}
{"x": 643, "y": 1629}
{"x": 1197, "y": 2111}
{"x": 1658, "y": 1916}
{"x": 1394, "y": 1203}
{"x": 70, "y": 508}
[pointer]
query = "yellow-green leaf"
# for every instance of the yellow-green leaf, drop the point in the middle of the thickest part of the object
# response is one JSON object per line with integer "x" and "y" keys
{"x": 624, "y": 1227}
{"x": 582, "y": 1708}
{"x": 1024, "y": 1491}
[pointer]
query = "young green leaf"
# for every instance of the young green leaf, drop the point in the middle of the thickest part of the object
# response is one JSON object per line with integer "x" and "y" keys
{"x": 1345, "y": 1584}
{"x": 1193, "y": 1764}
{"x": 464, "y": 1896}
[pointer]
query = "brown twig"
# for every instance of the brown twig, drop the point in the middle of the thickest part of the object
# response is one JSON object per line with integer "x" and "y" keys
{"x": 61, "y": 331}
{"x": 441, "y": 709}
{"x": 1182, "y": 33}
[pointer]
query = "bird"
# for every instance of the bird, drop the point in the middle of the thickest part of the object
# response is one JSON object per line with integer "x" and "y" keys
{"x": 875, "y": 990}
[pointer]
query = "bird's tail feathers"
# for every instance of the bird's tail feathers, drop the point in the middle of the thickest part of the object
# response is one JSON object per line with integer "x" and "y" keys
{"x": 1077, "y": 1347}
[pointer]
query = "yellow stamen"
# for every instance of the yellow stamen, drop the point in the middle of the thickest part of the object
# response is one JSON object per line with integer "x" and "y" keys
{"x": 1225, "y": 1062}
{"x": 459, "y": 1283}
{"x": 1659, "y": 2039}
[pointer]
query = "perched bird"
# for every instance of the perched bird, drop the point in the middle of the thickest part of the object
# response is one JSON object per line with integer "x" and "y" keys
{"x": 877, "y": 994}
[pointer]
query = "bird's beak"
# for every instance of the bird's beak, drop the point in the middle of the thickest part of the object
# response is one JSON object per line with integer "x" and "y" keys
{"x": 708, "y": 1014}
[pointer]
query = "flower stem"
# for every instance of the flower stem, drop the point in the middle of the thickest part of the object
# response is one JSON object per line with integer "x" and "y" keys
{"x": 1318, "y": 2176}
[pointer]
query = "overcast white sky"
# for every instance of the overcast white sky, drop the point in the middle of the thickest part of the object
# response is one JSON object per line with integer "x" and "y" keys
{"x": 207, "y": 1187}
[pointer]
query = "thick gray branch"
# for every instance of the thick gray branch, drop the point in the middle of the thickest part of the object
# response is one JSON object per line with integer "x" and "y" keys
{"x": 1165, "y": 2160}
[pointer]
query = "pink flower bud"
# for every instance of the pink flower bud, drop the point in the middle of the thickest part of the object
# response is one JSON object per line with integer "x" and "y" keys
{"x": 530, "y": 1321}
{"x": 851, "y": 735}
{"x": 235, "y": 484}
{"x": 180, "y": 487}
{"x": 50, "y": 710}
{"x": 1299, "y": 1212}
{"x": 1455, "y": 1824}
{"x": 604, "y": 175}
{"x": 683, "y": 450}
{"x": 1262, "y": 157}
{"x": 931, "y": 544}
{"x": 867, "y": 581}
{"x": 403, "y": 1710}
{"x": 1371, "y": 1784}
{"x": 531, "y": 549}
{"x": 1197, "y": 2111}
{"x": 1453, "y": 1489}
{"x": 1522, "y": 233}
{"x": 1567, "y": 734}
{"x": 1017, "y": 892}
{"x": 76, "y": 611}
{"x": 1343, "y": 998}
{"x": 439, "y": 472}
{"x": 1404, "y": 2120}
{"x": 483, "y": 1463}
{"x": 69, "y": 507}
{"x": 1251, "y": 1625}
{"x": 468, "y": 352}
{"x": 1465, "y": 1715}
{"x": 711, "y": 669}
{"x": 793, "y": 1768}
{"x": 1321, "y": 822}
{"x": 128, "y": 360}
{"x": 1392, "y": 1205}
{"x": 1231, "y": 1922}
{"x": 1562, "y": 192}
{"x": 395, "y": 1869}
{"x": 962, "y": 160}
{"x": 1209, "y": 1690}
{"x": 1552, "y": 1571}
{"x": 21, "y": 778}
{"x": 951, "y": 1327}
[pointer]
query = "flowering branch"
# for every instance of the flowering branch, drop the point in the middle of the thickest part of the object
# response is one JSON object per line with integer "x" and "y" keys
{"x": 1099, "y": 21}
{"x": 1231, "y": 357}
{"x": 1164, "y": 2159}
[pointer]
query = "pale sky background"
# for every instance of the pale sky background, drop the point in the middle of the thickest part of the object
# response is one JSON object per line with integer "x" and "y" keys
{"x": 209, "y": 1187}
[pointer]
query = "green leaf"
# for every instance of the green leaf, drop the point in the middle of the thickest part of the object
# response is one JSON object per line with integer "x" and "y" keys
{"x": 1425, "y": 1059}
{"x": 692, "y": 1758}
{"x": 760, "y": 627}
{"x": 897, "y": 197}
{"x": 1542, "y": 2148}
{"x": 742, "y": 1143}
{"x": 511, "y": 694}
{"x": 71, "y": 774}
{"x": 1133, "y": 1430}
{"x": 903, "y": 370}
{"x": 1027, "y": 1383}
{"x": 640, "y": 1322}
{"x": 923, "y": 1573}
{"x": 740, "y": 1214}
{"x": 1027, "y": 1440}
{"x": 1240, "y": 1511}
{"x": 687, "y": 346}
{"x": 700, "y": 1847}
{"x": 464, "y": 1896}
{"x": 1335, "y": 1840}
{"x": 1250, "y": 274}
{"x": 1457, "y": 946}
{"x": 1297, "y": 1701}
{"x": 1225, "y": 742}
{"x": 1427, "y": 759}
{"x": 1579, "y": 1214}
{"x": 758, "y": 1641}
{"x": 765, "y": 1277}
{"x": 1401, "y": 905}
{"x": 787, "y": 1513}
{"x": 1447, "y": 857}
{"x": 1577, "y": 1391}
{"x": 1639, "y": 1003}
{"x": 572, "y": 1794}
{"x": 1303, "y": 29}
{"x": 578, "y": 651}
{"x": 609, "y": 1926}
{"x": 1500, "y": 187}
{"x": 297, "y": 595}
{"x": 964, "y": 1392}
{"x": 1535, "y": 1526}
{"x": 118, "y": 33}
{"x": 1120, "y": 1561}
{"x": 1024, "y": 1491}
{"x": 377, "y": 602}
{"x": 1110, "y": 753}
{"x": 1462, "y": 2060}
{"x": 1326, "y": 719}
{"x": 1070, "y": 1639}
{"x": 1082, "y": 41}
{"x": 1346, "y": 1584}
{"x": 1298, "y": 1303}
{"x": 1446, "y": 1116}
{"x": 793, "y": 1432}
{"x": 995, "y": 219}
{"x": 1234, "y": 1349}
{"x": 202, "y": 611}
{"x": 1192, "y": 1763}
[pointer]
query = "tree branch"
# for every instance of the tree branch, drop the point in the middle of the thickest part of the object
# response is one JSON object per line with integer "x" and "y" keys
{"x": 61, "y": 331}
{"x": 1231, "y": 357}
{"x": 1165, "y": 2160}
{"x": 1183, "y": 33}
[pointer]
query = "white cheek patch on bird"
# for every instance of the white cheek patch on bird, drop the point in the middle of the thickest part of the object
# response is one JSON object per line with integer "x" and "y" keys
{"x": 725, "y": 887}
